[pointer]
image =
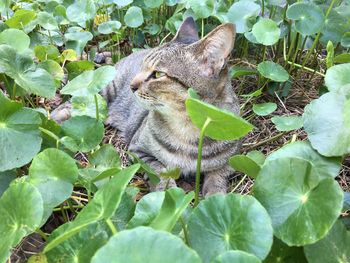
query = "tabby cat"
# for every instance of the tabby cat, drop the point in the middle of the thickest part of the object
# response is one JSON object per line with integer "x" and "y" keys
{"x": 147, "y": 103}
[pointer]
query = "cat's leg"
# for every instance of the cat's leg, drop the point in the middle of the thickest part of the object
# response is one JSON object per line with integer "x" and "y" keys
{"x": 62, "y": 112}
{"x": 158, "y": 167}
{"x": 216, "y": 181}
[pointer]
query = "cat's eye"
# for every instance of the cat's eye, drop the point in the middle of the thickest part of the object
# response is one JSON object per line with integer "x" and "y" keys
{"x": 158, "y": 74}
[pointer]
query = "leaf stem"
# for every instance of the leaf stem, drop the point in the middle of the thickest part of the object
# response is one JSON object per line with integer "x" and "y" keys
{"x": 199, "y": 160}
{"x": 42, "y": 234}
{"x": 202, "y": 33}
{"x": 239, "y": 183}
{"x": 111, "y": 226}
{"x": 97, "y": 109}
{"x": 52, "y": 135}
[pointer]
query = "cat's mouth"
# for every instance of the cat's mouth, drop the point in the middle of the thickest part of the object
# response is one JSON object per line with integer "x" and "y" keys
{"x": 147, "y": 100}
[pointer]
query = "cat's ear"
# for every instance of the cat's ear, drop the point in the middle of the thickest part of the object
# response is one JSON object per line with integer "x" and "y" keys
{"x": 187, "y": 32}
{"x": 214, "y": 49}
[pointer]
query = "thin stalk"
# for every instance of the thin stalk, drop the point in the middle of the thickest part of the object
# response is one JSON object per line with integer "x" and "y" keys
{"x": 41, "y": 233}
{"x": 239, "y": 183}
{"x": 52, "y": 135}
{"x": 97, "y": 110}
{"x": 302, "y": 48}
{"x": 111, "y": 226}
{"x": 317, "y": 37}
{"x": 291, "y": 46}
{"x": 184, "y": 228}
{"x": 68, "y": 207}
{"x": 262, "y": 8}
{"x": 14, "y": 91}
{"x": 295, "y": 53}
{"x": 202, "y": 33}
{"x": 199, "y": 161}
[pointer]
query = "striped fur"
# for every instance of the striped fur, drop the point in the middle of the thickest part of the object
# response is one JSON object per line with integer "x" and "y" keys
{"x": 153, "y": 120}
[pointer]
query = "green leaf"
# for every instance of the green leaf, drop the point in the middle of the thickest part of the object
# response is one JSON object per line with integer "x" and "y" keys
{"x": 241, "y": 13}
{"x": 273, "y": 71}
{"x": 104, "y": 158}
{"x": 221, "y": 223}
{"x": 83, "y": 133}
{"x": 266, "y": 31}
{"x": 174, "y": 204}
{"x": 202, "y": 8}
{"x": 342, "y": 58}
{"x": 303, "y": 208}
{"x": 333, "y": 248}
{"x": 236, "y": 256}
{"x": 264, "y": 109}
{"x": 280, "y": 252}
{"x": 324, "y": 167}
{"x": 93, "y": 82}
{"x": 237, "y": 71}
{"x": 77, "y": 40}
{"x": 21, "y": 209}
{"x": 81, "y": 11}
{"x": 109, "y": 27}
{"x": 309, "y": 18}
{"x": 153, "y": 3}
{"x": 102, "y": 206}
{"x": 75, "y": 68}
{"x": 81, "y": 247}
{"x": 335, "y": 27}
{"x": 257, "y": 156}
{"x": 47, "y": 21}
{"x": 15, "y": 38}
{"x": 337, "y": 79}
{"x": 345, "y": 40}
{"x": 4, "y": 5}
{"x": 327, "y": 123}
{"x": 224, "y": 125}
{"x": 330, "y": 55}
{"x": 53, "y": 173}
{"x": 46, "y": 52}
{"x": 148, "y": 245}
{"x": 287, "y": 123}
{"x": 122, "y": 3}
{"x": 153, "y": 177}
{"x": 54, "y": 69}
{"x": 85, "y": 105}
{"x": 245, "y": 164}
{"x": 174, "y": 173}
{"x": 20, "y": 19}
{"x": 19, "y": 133}
{"x": 133, "y": 17}
{"x": 22, "y": 69}
{"x": 6, "y": 178}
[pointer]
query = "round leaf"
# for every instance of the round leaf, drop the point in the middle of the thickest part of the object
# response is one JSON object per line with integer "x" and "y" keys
{"x": 221, "y": 223}
{"x": 266, "y": 31}
{"x": 54, "y": 69}
{"x": 133, "y": 17}
{"x": 20, "y": 18}
{"x": 337, "y": 79}
{"x": 241, "y": 13}
{"x": 15, "y": 38}
{"x": 77, "y": 40}
{"x": 122, "y": 3}
{"x": 280, "y": 252}
{"x": 327, "y": 123}
{"x": 22, "y": 69}
{"x": 75, "y": 68}
{"x": 202, "y": 8}
{"x": 224, "y": 125}
{"x": 148, "y": 245}
{"x": 333, "y": 248}
{"x": 245, "y": 164}
{"x": 303, "y": 208}
{"x": 109, "y": 27}
{"x": 345, "y": 40}
{"x": 85, "y": 105}
{"x": 237, "y": 257}
{"x": 287, "y": 123}
{"x": 273, "y": 71}
{"x": 264, "y": 109}
{"x": 46, "y": 52}
{"x": 325, "y": 167}
{"x": 105, "y": 158}
{"x": 21, "y": 209}
{"x": 19, "y": 133}
{"x": 309, "y": 18}
{"x": 90, "y": 82}
{"x": 81, "y": 11}
{"x": 82, "y": 133}
{"x": 53, "y": 173}
{"x": 5, "y": 179}
{"x": 47, "y": 21}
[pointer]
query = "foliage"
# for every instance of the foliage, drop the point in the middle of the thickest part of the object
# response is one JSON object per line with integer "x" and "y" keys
{"x": 293, "y": 212}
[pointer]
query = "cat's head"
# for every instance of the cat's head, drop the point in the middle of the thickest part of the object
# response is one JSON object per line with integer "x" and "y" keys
{"x": 185, "y": 62}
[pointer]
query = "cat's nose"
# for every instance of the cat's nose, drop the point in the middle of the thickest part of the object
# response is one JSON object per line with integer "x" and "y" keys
{"x": 135, "y": 85}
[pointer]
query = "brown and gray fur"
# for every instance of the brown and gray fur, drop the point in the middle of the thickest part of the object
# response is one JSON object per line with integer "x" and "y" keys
{"x": 149, "y": 110}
